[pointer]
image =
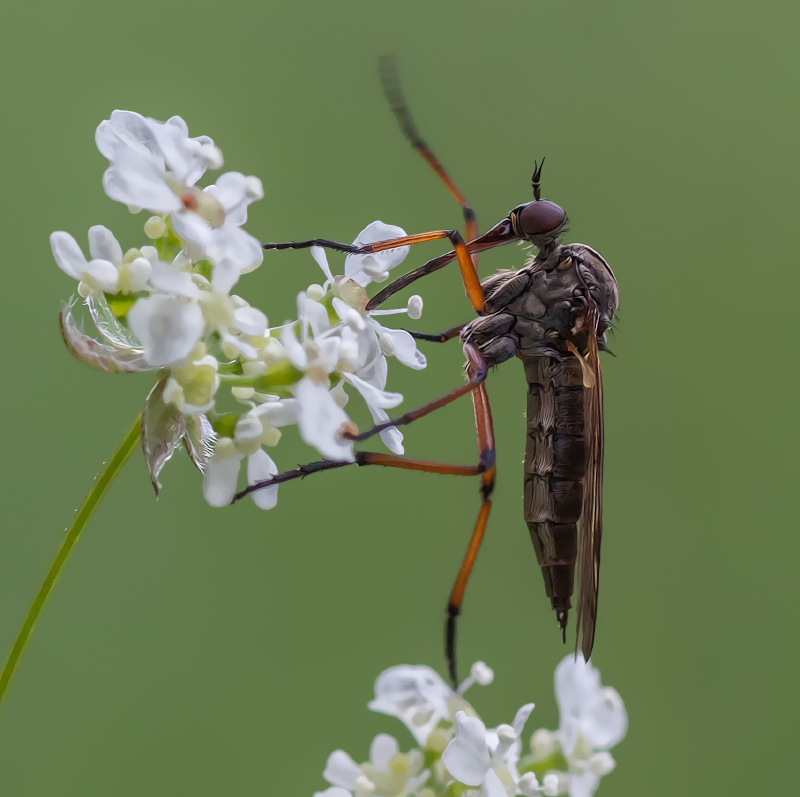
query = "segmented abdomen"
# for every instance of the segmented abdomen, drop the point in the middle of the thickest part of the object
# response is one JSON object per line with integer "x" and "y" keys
{"x": 555, "y": 465}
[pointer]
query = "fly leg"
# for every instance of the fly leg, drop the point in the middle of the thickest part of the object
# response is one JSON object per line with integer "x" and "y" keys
{"x": 486, "y": 445}
{"x": 363, "y": 458}
{"x": 442, "y": 337}
{"x": 477, "y": 370}
{"x": 390, "y": 81}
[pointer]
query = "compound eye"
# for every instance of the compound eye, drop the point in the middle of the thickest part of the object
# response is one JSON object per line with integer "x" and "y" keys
{"x": 541, "y": 217}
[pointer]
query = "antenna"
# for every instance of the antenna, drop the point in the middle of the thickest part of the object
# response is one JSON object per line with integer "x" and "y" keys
{"x": 536, "y": 180}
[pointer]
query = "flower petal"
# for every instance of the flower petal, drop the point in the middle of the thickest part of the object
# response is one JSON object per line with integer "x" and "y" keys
{"x": 373, "y": 395}
{"x": 493, "y": 786}
{"x": 341, "y": 770}
{"x": 467, "y": 756}
{"x": 381, "y": 751}
{"x": 364, "y": 268}
{"x": 404, "y": 347}
{"x": 136, "y": 179}
{"x": 168, "y": 328}
{"x": 103, "y": 245}
{"x": 102, "y": 274}
{"x": 294, "y": 349}
{"x": 279, "y": 413}
{"x": 318, "y": 253}
{"x": 250, "y": 321}
{"x": 259, "y": 468}
{"x": 583, "y": 785}
{"x": 605, "y": 723}
{"x": 165, "y": 277}
{"x": 392, "y": 437}
{"x": 320, "y": 421}
{"x": 68, "y": 254}
{"x": 334, "y": 791}
{"x": 219, "y": 480}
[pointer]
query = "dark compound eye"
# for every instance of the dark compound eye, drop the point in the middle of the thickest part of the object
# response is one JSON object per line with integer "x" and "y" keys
{"x": 541, "y": 217}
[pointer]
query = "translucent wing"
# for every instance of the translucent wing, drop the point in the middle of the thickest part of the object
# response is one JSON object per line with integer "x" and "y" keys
{"x": 591, "y": 522}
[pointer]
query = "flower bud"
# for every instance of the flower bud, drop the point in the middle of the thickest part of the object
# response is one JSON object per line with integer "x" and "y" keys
{"x": 315, "y": 292}
{"x": 155, "y": 227}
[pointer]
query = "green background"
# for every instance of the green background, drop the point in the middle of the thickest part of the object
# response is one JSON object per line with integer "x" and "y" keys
{"x": 208, "y": 652}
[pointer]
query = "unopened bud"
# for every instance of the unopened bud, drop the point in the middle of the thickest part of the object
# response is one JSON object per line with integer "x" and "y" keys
{"x": 315, "y": 292}
{"x": 415, "y": 306}
{"x": 506, "y": 734}
{"x": 482, "y": 673}
{"x": 155, "y": 227}
{"x": 134, "y": 209}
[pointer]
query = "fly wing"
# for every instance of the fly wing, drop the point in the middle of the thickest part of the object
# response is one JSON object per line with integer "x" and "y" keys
{"x": 591, "y": 522}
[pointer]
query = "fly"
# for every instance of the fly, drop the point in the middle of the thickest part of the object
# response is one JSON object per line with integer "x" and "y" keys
{"x": 552, "y": 313}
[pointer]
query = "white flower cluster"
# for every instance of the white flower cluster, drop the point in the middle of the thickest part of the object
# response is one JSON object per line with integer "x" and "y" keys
{"x": 167, "y": 307}
{"x": 458, "y": 755}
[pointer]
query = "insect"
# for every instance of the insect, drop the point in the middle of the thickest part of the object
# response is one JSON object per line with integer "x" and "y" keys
{"x": 553, "y": 314}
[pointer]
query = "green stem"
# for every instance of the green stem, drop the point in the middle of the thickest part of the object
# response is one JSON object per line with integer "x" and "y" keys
{"x": 73, "y": 534}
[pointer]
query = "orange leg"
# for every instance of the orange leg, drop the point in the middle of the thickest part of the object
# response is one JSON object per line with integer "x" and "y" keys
{"x": 390, "y": 81}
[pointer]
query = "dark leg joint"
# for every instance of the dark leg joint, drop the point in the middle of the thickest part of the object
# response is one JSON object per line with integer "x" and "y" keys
{"x": 469, "y": 214}
{"x": 450, "y": 643}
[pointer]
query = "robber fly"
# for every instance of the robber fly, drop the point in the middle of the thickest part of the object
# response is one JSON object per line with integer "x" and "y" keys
{"x": 553, "y": 314}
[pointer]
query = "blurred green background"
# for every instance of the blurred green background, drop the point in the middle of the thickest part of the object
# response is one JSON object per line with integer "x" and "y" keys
{"x": 191, "y": 651}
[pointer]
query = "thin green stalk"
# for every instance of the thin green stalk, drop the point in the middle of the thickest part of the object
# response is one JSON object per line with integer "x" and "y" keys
{"x": 73, "y": 534}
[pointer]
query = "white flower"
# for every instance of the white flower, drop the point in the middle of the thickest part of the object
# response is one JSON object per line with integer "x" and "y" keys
{"x": 416, "y": 695}
{"x": 151, "y": 162}
{"x": 586, "y": 708}
{"x": 155, "y": 165}
{"x": 222, "y": 470}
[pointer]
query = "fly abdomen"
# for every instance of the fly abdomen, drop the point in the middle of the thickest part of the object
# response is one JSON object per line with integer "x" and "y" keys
{"x": 555, "y": 466}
